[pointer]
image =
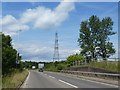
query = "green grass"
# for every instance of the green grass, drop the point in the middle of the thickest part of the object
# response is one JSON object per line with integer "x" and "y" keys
{"x": 14, "y": 80}
{"x": 112, "y": 66}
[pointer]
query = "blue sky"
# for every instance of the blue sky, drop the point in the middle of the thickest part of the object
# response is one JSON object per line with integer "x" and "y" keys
{"x": 39, "y": 21}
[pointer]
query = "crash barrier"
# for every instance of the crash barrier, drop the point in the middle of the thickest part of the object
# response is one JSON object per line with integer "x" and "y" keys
{"x": 95, "y": 74}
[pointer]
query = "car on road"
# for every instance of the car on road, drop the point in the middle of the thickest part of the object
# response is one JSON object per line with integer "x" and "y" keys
{"x": 40, "y": 70}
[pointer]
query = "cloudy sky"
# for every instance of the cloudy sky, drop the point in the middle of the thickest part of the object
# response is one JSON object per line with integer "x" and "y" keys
{"x": 33, "y": 25}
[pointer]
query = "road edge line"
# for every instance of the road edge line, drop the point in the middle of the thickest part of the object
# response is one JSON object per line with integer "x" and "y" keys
{"x": 24, "y": 82}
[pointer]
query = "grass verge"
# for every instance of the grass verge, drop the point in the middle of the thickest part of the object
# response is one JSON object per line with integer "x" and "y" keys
{"x": 15, "y": 79}
{"x": 111, "y": 66}
{"x": 106, "y": 65}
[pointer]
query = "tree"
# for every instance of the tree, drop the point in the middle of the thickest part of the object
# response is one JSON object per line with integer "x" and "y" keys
{"x": 88, "y": 36}
{"x": 75, "y": 57}
{"x": 29, "y": 64}
{"x": 94, "y": 26}
{"x": 84, "y": 39}
{"x": 9, "y": 55}
{"x": 106, "y": 47}
{"x": 95, "y": 33}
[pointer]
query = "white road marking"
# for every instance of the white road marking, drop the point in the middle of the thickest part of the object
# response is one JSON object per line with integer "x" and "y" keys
{"x": 52, "y": 77}
{"x": 45, "y": 74}
{"x": 28, "y": 76}
{"x": 68, "y": 83}
{"x": 116, "y": 86}
{"x": 25, "y": 82}
{"x": 89, "y": 81}
{"x": 101, "y": 83}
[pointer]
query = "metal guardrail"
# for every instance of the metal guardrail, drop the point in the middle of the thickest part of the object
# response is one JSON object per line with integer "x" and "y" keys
{"x": 116, "y": 76}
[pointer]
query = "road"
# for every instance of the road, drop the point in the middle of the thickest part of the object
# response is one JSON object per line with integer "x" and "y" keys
{"x": 37, "y": 79}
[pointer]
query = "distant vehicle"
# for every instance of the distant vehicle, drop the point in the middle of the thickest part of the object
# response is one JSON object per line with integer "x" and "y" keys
{"x": 40, "y": 70}
{"x": 40, "y": 67}
{"x": 33, "y": 67}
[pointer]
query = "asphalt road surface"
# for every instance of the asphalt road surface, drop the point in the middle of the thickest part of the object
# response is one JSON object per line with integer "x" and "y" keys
{"x": 37, "y": 79}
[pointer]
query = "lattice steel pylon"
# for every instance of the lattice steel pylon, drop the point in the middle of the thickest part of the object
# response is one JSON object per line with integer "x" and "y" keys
{"x": 56, "y": 49}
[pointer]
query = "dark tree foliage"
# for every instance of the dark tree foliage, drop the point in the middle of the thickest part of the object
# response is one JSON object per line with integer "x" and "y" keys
{"x": 9, "y": 56}
{"x": 95, "y": 33}
{"x": 29, "y": 64}
{"x": 55, "y": 66}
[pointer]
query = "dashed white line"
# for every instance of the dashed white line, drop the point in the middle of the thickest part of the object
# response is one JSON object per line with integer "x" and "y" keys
{"x": 68, "y": 83}
{"x": 45, "y": 74}
{"x": 116, "y": 86}
{"x": 85, "y": 80}
{"x": 52, "y": 77}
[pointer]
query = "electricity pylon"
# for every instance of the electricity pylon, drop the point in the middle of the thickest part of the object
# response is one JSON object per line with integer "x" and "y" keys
{"x": 56, "y": 49}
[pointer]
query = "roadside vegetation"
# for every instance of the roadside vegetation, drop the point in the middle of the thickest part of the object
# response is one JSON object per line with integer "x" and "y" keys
{"x": 15, "y": 79}
{"x": 106, "y": 65}
{"x": 13, "y": 72}
{"x": 29, "y": 64}
{"x": 11, "y": 60}
{"x": 112, "y": 66}
{"x": 56, "y": 66}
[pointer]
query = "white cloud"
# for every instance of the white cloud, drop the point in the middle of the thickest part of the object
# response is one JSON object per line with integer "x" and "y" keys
{"x": 41, "y": 52}
{"x": 8, "y": 19}
{"x": 42, "y": 17}
{"x": 31, "y": 51}
{"x": 10, "y": 25}
{"x": 33, "y": 48}
{"x": 39, "y": 17}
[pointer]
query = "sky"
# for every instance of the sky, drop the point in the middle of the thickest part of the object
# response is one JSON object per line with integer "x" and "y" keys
{"x": 32, "y": 26}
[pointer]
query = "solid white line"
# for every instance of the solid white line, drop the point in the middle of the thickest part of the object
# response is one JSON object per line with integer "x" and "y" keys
{"x": 52, "y": 77}
{"x": 25, "y": 83}
{"x": 100, "y": 83}
{"x": 68, "y": 83}
{"x": 27, "y": 78}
